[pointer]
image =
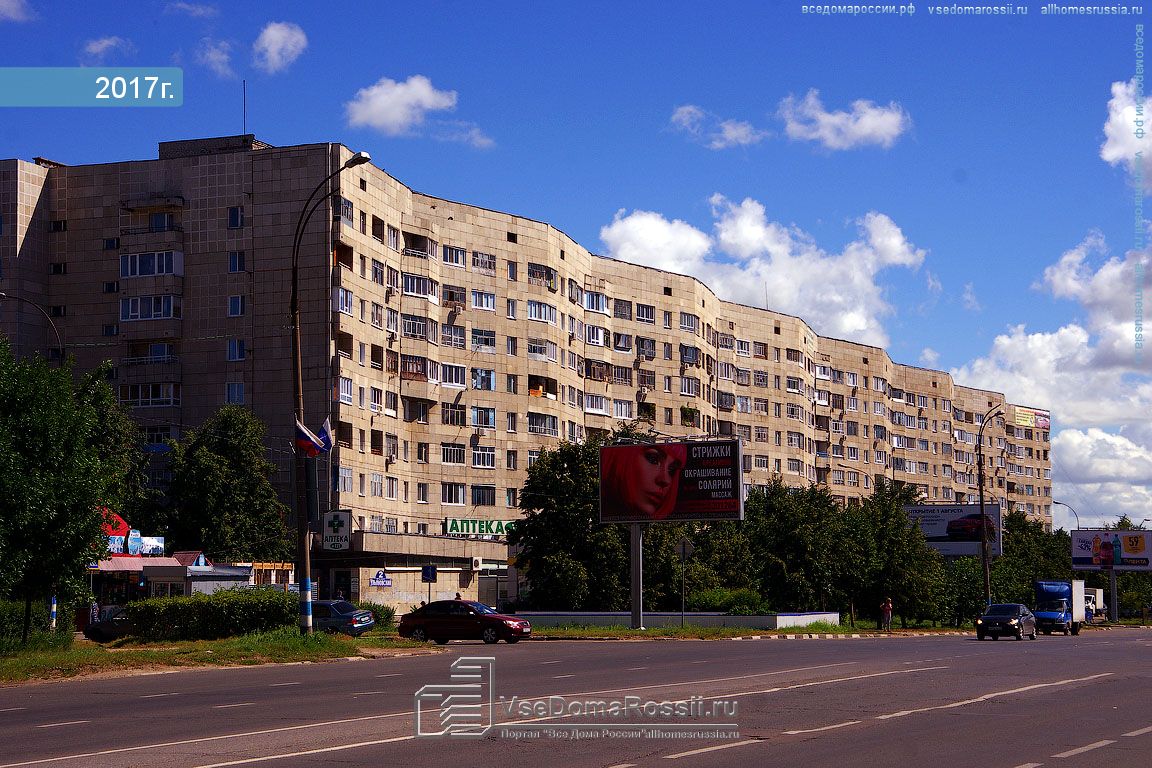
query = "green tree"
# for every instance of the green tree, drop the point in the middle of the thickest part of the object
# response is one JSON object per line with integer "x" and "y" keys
{"x": 222, "y": 500}
{"x": 67, "y": 450}
{"x": 560, "y": 539}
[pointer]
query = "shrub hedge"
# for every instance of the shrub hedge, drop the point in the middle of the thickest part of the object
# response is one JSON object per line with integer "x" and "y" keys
{"x": 208, "y": 617}
{"x": 40, "y": 635}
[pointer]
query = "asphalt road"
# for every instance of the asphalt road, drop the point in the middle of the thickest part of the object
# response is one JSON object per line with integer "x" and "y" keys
{"x": 940, "y": 701}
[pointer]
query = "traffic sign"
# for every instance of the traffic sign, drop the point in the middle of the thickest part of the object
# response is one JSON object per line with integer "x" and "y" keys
{"x": 428, "y": 574}
{"x": 685, "y": 548}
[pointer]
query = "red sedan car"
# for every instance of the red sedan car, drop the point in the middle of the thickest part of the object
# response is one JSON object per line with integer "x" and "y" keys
{"x": 445, "y": 620}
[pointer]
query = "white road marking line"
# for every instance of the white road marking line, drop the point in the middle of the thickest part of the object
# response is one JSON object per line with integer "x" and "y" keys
{"x": 623, "y": 765}
{"x": 705, "y": 661}
{"x": 158, "y": 695}
{"x": 366, "y": 718}
{"x": 635, "y": 669}
{"x": 561, "y": 677}
{"x": 370, "y": 693}
{"x": 550, "y": 662}
{"x": 241, "y": 704}
{"x": 281, "y": 685}
{"x": 337, "y": 748}
{"x": 729, "y": 745}
{"x": 996, "y": 694}
{"x": 1140, "y": 732}
{"x": 1030, "y": 765}
{"x": 392, "y": 674}
{"x": 69, "y": 722}
{"x": 814, "y": 683}
{"x": 825, "y": 728}
{"x": 13, "y": 709}
{"x": 1088, "y": 748}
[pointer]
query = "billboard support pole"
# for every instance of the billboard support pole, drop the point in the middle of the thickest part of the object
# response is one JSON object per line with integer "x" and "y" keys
{"x": 637, "y": 549}
{"x": 1114, "y": 604}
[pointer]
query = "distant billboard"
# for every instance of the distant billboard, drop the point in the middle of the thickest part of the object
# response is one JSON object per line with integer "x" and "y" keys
{"x": 690, "y": 480}
{"x": 1033, "y": 418}
{"x": 954, "y": 529}
{"x": 1101, "y": 550}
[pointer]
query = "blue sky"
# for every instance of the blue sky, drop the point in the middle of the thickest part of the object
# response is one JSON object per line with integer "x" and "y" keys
{"x": 958, "y": 189}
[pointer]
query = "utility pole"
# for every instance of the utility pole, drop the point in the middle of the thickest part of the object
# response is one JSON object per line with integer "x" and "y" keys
{"x": 980, "y": 489}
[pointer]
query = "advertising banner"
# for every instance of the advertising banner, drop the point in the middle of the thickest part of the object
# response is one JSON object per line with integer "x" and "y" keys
{"x": 1033, "y": 418}
{"x": 1102, "y": 550}
{"x": 954, "y": 529}
{"x": 690, "y": 480}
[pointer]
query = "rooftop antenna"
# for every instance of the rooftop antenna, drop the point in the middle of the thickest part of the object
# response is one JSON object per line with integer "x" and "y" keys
{"x": 244, "y": 109}
{"x": 765, "y": 294}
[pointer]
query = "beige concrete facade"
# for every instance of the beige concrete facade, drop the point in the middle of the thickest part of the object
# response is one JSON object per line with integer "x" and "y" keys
{"x": 451, "y": 343}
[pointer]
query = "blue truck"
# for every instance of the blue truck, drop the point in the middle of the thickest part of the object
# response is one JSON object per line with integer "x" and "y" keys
{"x": 1059, "y": 606}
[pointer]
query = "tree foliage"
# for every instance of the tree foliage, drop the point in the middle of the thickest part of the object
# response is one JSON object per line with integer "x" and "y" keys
{"x": 222, "y": 499}
{"x": 67, "y": 450}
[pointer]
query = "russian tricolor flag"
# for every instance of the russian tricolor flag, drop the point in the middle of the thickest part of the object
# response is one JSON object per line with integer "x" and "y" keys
{"x": 311, "y": 444}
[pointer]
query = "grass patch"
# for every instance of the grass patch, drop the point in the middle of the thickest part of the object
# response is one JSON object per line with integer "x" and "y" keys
{"x": 280, "y": 645}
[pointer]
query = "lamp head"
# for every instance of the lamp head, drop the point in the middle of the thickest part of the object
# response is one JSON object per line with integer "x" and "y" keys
{"x": 357, "y": 159}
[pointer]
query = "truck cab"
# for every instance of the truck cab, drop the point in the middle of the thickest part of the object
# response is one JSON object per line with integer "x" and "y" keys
{"x": 1059, "y": 606}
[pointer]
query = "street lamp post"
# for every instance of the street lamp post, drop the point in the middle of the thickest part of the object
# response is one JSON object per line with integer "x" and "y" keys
{"x": 311, "y": 492}
{"x": 48, "y": 317}
{"x": 980, "y": 490}
{"x": 1062, "y": 504}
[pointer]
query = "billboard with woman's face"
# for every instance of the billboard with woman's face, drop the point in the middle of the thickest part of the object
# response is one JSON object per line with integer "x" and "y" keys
{"x": 671, "y": 481}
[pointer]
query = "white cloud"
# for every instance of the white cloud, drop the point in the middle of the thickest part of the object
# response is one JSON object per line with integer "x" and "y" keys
{"x": 216, "y": 55}
{"x": 689, "y": 118}
{"x": 750, "y": 258}
{"x": 929, "y": 357}
{"x": 714, "y": 132}
{"x": 1102, "y": 475}
{"x": 968, "y": 298}
{"x": 195, "y": 10}
{"x": 466, "y": 133}
{"x": 1121, "y": 144}
{"x": 395, "y": 109}
{"x": 280, "y": 43}
{"x": 866, "y": 124}
{"x": 14, "y": 10}
{"x": 95, "y": 52}
{"x": 934, "y": 284}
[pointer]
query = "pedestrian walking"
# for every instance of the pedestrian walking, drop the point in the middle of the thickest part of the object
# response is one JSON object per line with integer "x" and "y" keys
{"x": 886, "y": 615}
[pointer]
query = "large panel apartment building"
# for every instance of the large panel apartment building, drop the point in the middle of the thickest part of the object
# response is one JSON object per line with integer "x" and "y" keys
{"x": 450, "y": 344}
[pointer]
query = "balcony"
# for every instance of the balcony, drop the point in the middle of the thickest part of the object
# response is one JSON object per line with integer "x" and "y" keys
{"x": 169, "y": 237}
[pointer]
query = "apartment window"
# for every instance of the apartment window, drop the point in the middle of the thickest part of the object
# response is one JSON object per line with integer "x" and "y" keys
{"x": 484, "y": 495}
{"x": 421, "y": 497}
{"x": 689, "y": 322}
{"x": 452, "y": 453}
{"x": 484, "y": 457}
{"x": 483, "y": 417}
{"x": 377, "y": 401}
{"x": 235, "y": 261}
{"x": 111, "y": 329}
{"x": 150, "y": 307}
{"x": 345, "y": 390}
{"x": 510, "y": 498}
{"x": 452, "y": 336}
{"x": 484, "y": 263}
{"x": 621, "y": 309}
{"x": 391, "y": 486}
{"x": 453, "y": 375}
{"x": 484, "y": 378}
{"x": 483, "y": 340}
{"x": 236, "y": 350}
{"x": 234, "y": 393}
{"x": 512, "y": 271}
{"x": 58, "y": 268}
{"x": 512, "y": 383}
{"x": 452, "y": 494}
{"x": 236, "y": 217}
{"x": 510, "y": 459}
{"x": 483, "y": 300}
{"x": 454, "y": 256}
{"x": 149, "y": 395}
{"x": 393, "y": 238}
{"x": 511, "y": 421}
{"x": 344, "y": 301}
{"x": 58, "y": 225}
{"x": 111, "y": 243}
{"x": 542, "y": 424}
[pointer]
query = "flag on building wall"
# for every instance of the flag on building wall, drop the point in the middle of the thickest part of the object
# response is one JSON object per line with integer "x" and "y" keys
{"x": 326, "y": 435}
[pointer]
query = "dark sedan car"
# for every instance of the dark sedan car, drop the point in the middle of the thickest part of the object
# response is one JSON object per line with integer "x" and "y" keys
{"x": 113, "y": 624}
{"x": 341, "y": 616}
{"x": 445, "y": 620}
{"x": 1006, "y": 619}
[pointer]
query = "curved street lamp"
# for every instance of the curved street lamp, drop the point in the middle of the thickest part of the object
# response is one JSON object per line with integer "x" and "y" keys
{"x": 48, "y": 317}
{"x": 1062, "y": 504}
{"x": 312, "y": 497}
{"x": 980, "y": 490}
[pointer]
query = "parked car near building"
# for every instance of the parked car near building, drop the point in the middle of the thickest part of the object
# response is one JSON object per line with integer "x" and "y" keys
{"x": 341, "y": 616}
{"x": 113, "y": 624}
{"x": 444, "y": 620}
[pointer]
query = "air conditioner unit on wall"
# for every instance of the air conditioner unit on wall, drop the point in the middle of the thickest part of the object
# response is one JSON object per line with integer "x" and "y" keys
{"x": 477, "y": 564}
